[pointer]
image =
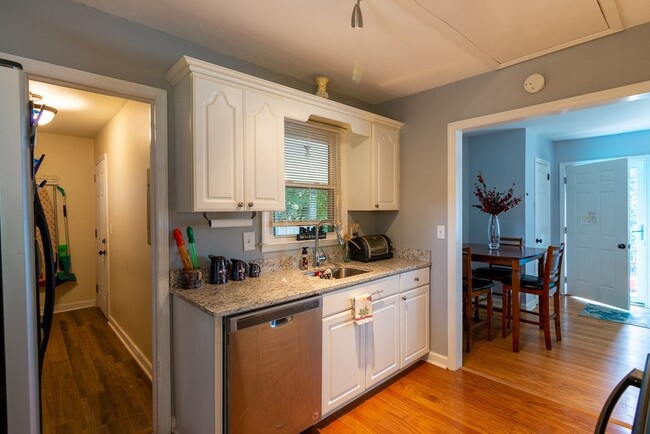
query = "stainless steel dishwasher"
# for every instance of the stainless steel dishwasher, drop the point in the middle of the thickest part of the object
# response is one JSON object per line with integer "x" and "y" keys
{"x": 273, "y": 369}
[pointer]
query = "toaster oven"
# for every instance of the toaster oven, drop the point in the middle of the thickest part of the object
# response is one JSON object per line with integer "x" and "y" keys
{"x": 370, "y": 248}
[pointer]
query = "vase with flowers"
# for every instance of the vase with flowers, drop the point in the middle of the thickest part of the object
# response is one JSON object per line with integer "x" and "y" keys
{"x": 493, "y": 203}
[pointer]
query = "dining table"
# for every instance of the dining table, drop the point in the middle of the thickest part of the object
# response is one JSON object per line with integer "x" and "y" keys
{"x": 515, "y": 257}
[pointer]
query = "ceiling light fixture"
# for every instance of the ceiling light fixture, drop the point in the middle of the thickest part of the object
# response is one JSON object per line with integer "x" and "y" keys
{"x": 357, "y": 18}
{"x": 41, "y": 112}
{"x": 47, "y": 113}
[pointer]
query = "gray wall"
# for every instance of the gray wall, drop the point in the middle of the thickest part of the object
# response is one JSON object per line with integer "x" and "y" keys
{"x": 76, "y": 36}
{"x": 614, "y": 61}
{"x": 68, "y": 34}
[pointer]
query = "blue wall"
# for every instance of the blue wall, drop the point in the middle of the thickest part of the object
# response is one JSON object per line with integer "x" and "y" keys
{"x": 500, "y": 157}
{"x": 618, "y": 145}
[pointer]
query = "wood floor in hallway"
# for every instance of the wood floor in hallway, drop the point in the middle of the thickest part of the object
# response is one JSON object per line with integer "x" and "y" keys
{"x": 498, "y": 391}
{"x": 91, "y": 384}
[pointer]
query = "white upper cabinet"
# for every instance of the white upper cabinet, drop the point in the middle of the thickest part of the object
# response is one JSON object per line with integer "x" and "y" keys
{"x": 386, "y": 167}
{"x": 218, "y": 145}
{"x": 229, "y": 142}
{"x": 229, "y": 147}
{"x": 264, "y": 152}
{"x": 374, "y": 170}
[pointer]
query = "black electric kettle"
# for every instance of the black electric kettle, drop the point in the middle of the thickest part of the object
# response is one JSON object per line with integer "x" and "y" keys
{"x": 238, "y": 271}
{"x": 254, "y": 269}
{"x": 218, "y": 270}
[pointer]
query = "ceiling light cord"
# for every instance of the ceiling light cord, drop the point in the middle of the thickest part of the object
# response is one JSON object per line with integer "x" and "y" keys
{"x": 357, "y": 18}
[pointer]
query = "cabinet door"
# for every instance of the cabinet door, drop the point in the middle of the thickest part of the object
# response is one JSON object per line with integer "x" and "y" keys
{"x": 343, "y": 361}
{"x": 218, "y": 151}
{"x": 414, "y": 317}
{"x": 264, "y": 152}
{"x": 382, "y": 341}
{"x": 386, "y": 167}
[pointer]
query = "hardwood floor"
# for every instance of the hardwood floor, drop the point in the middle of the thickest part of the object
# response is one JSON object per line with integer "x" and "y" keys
{"x": 498, "y": 391}
{"x": 91, "y": 384}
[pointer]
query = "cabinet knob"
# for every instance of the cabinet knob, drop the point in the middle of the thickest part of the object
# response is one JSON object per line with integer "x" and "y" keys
{"x": 240, "y": 205}
{"x": 417, "y": 279}
{"x": 404, "y": 298}
{"x": 251, "y": 204}
{"x": 376, "y": 205}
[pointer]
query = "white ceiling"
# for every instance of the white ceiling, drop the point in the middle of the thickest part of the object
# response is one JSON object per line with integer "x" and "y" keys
{"x": 80, "y": 113}
{"x": 406, "y": 46}
{"x": 617, "y": 117}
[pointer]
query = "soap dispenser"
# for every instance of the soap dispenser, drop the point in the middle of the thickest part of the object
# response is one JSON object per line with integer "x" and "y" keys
{"x": 304, "y": 261}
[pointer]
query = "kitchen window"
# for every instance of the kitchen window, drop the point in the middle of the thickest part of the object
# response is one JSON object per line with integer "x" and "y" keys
{"x": 312, "y": 153}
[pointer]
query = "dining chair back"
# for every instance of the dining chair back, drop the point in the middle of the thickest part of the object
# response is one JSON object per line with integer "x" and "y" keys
{"x": 475, "y": 289}
{"x": 543, "y": 287}
{"x": 499, "y": 272}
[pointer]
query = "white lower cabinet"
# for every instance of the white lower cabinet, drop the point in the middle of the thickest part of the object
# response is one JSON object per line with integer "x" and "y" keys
{"x": 382, "y": 341}
{"x": 344, "y": 353}
{"x": 414, "y": 313}
{"x": 357, "y": 358}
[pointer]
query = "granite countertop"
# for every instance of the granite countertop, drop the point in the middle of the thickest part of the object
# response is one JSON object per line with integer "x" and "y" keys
{"x": 285, "y": 285}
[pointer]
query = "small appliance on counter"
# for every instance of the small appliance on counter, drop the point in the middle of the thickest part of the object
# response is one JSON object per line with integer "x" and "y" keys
{"x": 238, "y": 269}
{"x": 370, "y": 248}
{"x": 219, "y": 266}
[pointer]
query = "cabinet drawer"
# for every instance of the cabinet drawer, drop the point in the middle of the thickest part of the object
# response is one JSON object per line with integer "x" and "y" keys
{"x": 413, "y": 279}
{"x": 340, "y": 301}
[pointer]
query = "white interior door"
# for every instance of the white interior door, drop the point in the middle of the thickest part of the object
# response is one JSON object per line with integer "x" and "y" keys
{"x": 101, "y": 235}
{"x": 597, "y": 232}
{"x": 542, "y": 203}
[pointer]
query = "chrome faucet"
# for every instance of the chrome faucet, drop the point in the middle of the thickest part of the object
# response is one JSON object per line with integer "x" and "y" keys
{"x": 319, "y": 254}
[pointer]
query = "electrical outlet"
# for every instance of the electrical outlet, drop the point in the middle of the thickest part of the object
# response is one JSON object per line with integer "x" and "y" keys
{"x": 441, "y": 232}
{"x": 249, "y": 241}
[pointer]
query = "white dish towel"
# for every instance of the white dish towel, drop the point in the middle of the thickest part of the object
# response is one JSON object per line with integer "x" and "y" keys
{"x": 362, "y": 307}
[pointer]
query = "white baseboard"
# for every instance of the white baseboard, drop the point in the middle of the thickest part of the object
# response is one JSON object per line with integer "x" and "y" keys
{"x": 72, "y": 306}
{"x": 132, "y": 348}
{"x": 438, "y": 360}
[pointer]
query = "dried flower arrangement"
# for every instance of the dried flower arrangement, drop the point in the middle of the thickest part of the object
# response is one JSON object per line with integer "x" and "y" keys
{"x": 491, "y": 201}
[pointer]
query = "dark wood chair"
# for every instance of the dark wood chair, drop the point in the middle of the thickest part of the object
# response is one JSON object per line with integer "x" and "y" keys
{"x": 544, "y": 287}
{"x": 499, "y": 272}
{"x": 473, "y": 290}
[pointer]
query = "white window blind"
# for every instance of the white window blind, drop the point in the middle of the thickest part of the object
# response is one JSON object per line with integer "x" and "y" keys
{"x": 312, "y": 176}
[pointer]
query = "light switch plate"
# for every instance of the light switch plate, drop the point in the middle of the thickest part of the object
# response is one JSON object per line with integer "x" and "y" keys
{"x": 249, "y": 241}
{"x": 441, "y": 232}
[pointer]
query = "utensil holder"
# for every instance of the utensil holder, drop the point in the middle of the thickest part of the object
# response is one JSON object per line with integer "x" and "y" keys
{"x": 191, "y": 279}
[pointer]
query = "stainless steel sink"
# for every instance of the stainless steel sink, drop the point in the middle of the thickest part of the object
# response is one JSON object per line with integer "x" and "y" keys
{"x": 338, "y": 273}
{"x": 343, "y": 272}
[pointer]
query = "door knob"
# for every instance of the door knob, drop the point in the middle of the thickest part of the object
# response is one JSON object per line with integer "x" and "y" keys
{"x": 538, "y": 240}
{"x": 102, "y": 252}
{"x": 621, "y": 246}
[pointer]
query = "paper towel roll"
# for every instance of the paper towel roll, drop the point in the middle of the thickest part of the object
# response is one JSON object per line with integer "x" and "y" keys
{"x": 230, "y": 223}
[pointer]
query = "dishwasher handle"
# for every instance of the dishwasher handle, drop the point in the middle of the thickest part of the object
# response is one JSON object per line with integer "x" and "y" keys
{"x": 277, "y": 323}
{"x": 276, "y": 316}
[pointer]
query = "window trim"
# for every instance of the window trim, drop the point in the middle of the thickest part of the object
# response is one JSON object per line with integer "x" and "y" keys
{"x": 272, "y": 243}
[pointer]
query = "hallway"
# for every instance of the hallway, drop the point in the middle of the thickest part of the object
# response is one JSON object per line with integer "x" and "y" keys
{"x": 91, "y": 384}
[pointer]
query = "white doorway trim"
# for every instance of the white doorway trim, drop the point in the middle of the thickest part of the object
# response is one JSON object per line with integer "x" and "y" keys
{"x": 454, "y": 189}
{"x": 161, "y": 325}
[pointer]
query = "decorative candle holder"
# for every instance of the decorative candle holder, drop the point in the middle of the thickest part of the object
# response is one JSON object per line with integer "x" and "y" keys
{"x": 321, "y": 82}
